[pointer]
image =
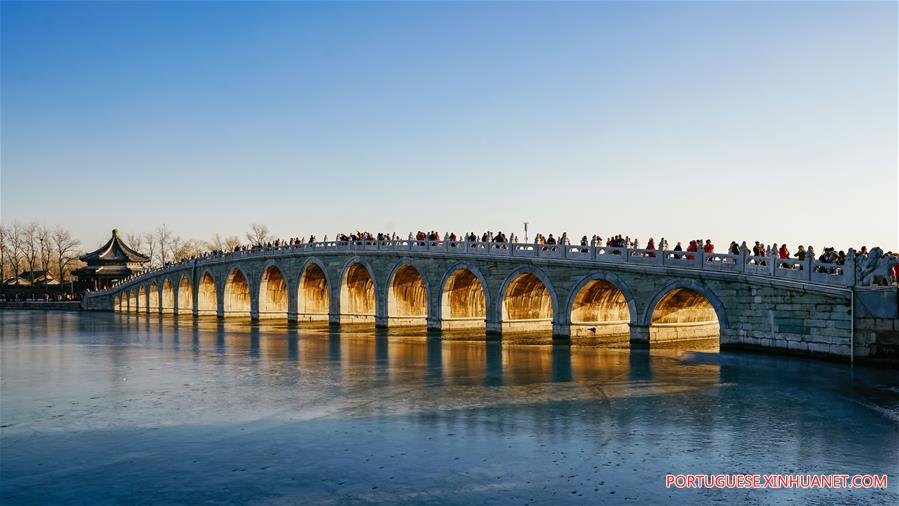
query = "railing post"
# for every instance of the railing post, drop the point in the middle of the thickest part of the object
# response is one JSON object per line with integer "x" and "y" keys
{"x": 807, "y": 264}
{"x": 849, "y": 268}
{"x": 593, "y": 252}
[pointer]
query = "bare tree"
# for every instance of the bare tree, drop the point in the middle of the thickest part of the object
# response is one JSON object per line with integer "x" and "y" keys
{"x": 216, "y": 243}
{"x": 185, "y": 249}
{"x": 232, "y": 242}
{"x": 30, "y": 246}
{"x": 64, "y": 248}
{"x": 4, "y": 250}
{"x": 15, "y": 233}
{"x": 163, "y": 237}
{"x": 44, "y": 234}
{"x": 135, "y": 242}
{"x": 259, "y": 234}
{"x": 223, "y": 244}
{"x": 150, "y": 239}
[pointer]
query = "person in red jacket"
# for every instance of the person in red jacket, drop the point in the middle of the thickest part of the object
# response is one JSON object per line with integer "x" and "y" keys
{"x": 709, "y": 247}
{"x": 692, "y": 247}
{"x": 783, "y": 252}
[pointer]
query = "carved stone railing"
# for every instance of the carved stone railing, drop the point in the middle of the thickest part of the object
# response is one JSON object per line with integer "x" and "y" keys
{"x": 807, "y": 270}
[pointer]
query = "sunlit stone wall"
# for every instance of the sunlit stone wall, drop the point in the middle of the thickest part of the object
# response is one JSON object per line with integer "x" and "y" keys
{"x": 237, "y": 294}
{"x": 463, "y": 302}
{"x": 207, "y": 296}
{"x": 185, "y": 296}
{"x": 407, "y": 301}
{"x": 313, "y": 298}
{"x": 357, "y": 295}
{"x": 272, "y": 294}
{"x": 168, "y": 297}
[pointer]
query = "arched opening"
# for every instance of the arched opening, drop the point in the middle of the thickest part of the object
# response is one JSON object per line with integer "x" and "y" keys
{"x": 684, "y": 314}
{"x": 141, "y": 299}
{"x": 407, "y": 298}
{"x": 117, "y": 303}
{"x": 357, "y": 295}
{"x": 153, "y": 304}
{"x": 237, "y": 294}
{"x": 527, "y": 305}
{"x": 207, "y": 299}
{"x": 272, "y": 294}
{"x": 313, "y": 300}
{"x": 168, "y": 297}
{"x": 185, "y": 296}
{"x": 600, "y": 310}
{"x": 132, "y": 301}
{"x": 463, "y": 303}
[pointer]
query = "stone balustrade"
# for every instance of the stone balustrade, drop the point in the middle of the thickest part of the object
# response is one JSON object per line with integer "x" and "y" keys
{"x": 808, "y": 270}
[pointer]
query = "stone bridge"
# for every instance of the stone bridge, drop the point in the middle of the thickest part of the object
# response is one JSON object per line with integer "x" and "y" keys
{"x": 602, "y": 293}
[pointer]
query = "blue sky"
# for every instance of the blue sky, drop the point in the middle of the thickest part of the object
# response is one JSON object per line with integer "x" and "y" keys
{"x": 768, "y": 121}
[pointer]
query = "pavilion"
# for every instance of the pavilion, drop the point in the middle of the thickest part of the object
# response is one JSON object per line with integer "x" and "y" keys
{"x": 113, "y": 262}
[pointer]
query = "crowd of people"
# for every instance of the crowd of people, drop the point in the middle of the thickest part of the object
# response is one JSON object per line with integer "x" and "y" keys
{"x": 829, "y": 261}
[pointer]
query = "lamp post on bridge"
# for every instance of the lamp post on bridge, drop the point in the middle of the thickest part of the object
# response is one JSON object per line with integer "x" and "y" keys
{"x": 525, "y": 232}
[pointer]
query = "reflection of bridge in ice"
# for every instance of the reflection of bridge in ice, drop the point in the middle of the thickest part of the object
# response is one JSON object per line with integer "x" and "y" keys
{"x": 602, "y": 292}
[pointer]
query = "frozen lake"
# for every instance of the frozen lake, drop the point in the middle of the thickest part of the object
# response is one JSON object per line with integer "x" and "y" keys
{"x": 111, "y": 408}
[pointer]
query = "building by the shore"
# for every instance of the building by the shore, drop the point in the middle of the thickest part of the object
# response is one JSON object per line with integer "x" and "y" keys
{"x": 32, "y": 278}
{"x": 112, "y": 262}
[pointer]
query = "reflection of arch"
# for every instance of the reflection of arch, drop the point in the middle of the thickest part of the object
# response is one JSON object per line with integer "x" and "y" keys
{"x": 141, "y": 299}
{"x": 685, "y": 310}
{"x": 313, "y": 296}
{"x": 185, "y": 296}
{"x": 600, "y": 304}
{"x": 153, "y": 296}
{"x": 237, "y": 293}
{"x": 464, "y": 297}
{"x": 168, "y": 296}
{"x": 407, "y": 295}
{"x": 273, "y": 292}
{"x": 357, "y": 291}
{"x": 207, "y": 297}
{"x": 527, "y": 300}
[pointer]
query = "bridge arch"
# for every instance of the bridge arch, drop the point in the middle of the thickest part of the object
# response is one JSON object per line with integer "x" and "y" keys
{"x": 153, "y": 297}
{"x": 117, "y": 303}
{"x": 527, "y": 301}
{"x": 207, "y": 295}
{"x": 237, "y": 298}
{"x": 132, "y": 300}
{"x": 141, "y": 298}
{"x": 273, "y": 292}
{"x": 313, "y": 291}
{"x": 185, "y": 296}
{"x": 358, "y": 294}
{"x": 167, "y": 298}
{"x": 684, "y": 310}
{"x": 600, "y": 305}
{"x": 464, "y": 298}
{"x": 407, "y": 294}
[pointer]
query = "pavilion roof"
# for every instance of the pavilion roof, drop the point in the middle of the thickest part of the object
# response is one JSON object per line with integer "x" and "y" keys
{"x": 115, "y": 250}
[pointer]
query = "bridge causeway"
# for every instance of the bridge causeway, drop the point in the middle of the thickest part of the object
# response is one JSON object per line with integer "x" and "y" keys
{"x": 604, "y": 293}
